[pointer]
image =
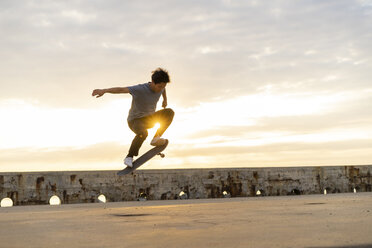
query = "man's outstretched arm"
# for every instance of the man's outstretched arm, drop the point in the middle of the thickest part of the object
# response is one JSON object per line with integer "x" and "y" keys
{"x": 116, "y": 90}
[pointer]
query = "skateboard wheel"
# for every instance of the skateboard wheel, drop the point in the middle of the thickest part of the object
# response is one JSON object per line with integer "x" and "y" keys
{"x": 161, "y": 155}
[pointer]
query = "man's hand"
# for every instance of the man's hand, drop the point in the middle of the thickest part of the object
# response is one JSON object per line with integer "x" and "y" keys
{"x": 164, "y": 105}
{"x": 98, "y": 93}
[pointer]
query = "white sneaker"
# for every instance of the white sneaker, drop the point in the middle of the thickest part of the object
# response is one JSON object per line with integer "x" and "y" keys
{"x": 128, "y": 161}
{"x": 157, "y": 141}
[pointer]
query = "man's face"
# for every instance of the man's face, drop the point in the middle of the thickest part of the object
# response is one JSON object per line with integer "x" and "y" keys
{"x": 157, "y": 87}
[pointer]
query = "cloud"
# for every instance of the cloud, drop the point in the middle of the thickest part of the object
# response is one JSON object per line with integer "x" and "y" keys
{"x": 349, "y": 115}
{"x": 102, "y": 156}
{"x": 31, "y": 124}
{"x": 56, "y": 48}
{"x": 109, "y": 156}
{"x": 78, "y": 16}
{"x": 228, "y": 127}
{"x": 231, "y": 63}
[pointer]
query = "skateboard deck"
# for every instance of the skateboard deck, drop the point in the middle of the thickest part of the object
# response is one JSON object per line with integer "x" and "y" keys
{"x": 143, "y": 159}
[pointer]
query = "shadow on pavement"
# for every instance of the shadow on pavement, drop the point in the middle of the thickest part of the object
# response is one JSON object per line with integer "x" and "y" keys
{"x": 344, "y": 246}
{"x": 129, "y": 215}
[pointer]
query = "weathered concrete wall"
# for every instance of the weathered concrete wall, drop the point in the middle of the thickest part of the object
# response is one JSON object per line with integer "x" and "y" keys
{"x": 85, "y": 186}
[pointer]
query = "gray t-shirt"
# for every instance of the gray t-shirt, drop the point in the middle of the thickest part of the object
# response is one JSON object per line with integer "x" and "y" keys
{"x": 144, "y": 101}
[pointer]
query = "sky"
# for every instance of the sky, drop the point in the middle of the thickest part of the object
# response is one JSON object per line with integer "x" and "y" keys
{"x": 254, "y": 83}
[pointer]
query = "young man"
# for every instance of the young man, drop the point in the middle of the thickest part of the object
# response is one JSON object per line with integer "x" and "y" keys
{"x": 142, "y": 115}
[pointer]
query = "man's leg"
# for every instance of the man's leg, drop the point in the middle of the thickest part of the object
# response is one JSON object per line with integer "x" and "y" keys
{"x": 138, "y": 126}
{"x": 165, "y": 118}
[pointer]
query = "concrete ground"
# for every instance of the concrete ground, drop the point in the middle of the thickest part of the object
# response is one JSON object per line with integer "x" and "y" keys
{"x": 333, "y": 220}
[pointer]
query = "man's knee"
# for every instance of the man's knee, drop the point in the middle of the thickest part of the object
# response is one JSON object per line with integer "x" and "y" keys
{"x": 169, "y": 112}
{"x": 143, "y": 135}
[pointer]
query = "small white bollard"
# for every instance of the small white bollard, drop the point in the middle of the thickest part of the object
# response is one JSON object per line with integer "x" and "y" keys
{"x": 6, "y": 203}
{"x": 102, "y": 198}
{"x": 182, "y": 195}
{"x": 325, "y": 191}
{"x": 54, "y": 201}
{"x": 354, "y": 190}
{"x": 226, "y": 194}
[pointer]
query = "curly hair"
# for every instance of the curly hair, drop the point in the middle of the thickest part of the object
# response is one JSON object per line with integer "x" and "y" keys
{"x": 160, "y": 76}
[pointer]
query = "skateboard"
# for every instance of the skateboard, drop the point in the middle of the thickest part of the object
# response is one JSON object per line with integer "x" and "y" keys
{"x": 144, "y": 158}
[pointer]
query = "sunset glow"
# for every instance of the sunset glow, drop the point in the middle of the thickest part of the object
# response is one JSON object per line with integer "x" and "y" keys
{"x": 253, "y": 83}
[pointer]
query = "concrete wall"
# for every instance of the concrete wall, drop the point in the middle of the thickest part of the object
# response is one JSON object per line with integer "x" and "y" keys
{"x": 85, "y": 186}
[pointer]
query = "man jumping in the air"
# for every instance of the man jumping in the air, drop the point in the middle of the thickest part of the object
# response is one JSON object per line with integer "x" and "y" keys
{"x": 142, "y": 115}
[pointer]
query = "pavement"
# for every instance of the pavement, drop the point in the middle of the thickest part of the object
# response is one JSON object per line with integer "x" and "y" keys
{"x": 316, "y": 221}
